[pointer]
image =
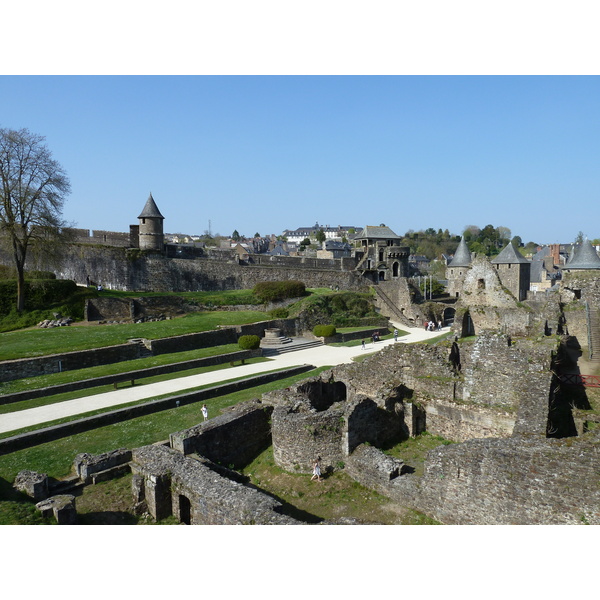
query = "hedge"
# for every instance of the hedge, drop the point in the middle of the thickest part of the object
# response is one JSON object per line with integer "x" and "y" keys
{"x": 249, "y": 342}
{"x": 274, "y": 291}
{"x": 324, "y": 330}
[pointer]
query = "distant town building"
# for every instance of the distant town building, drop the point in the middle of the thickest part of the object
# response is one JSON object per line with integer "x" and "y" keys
{"x": 331, "y": 233}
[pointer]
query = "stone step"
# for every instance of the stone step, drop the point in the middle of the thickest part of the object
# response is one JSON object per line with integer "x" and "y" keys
{"x": 292, "y": 347}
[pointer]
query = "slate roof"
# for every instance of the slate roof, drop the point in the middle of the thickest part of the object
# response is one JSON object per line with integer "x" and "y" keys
{"x": 584, "y": 257}
{"x": 371, "y": 232}
{"x": 510, "y": 255}
{"x": 150, "y": 210}
{"x": 462, "y": 256}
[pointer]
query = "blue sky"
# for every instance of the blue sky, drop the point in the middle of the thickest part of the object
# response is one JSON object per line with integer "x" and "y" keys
{"x": 267, "y": 153}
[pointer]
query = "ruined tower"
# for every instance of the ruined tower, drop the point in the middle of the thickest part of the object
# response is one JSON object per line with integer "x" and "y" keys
{"x": 151, "y": 235}
{"x": 514, "y": 271}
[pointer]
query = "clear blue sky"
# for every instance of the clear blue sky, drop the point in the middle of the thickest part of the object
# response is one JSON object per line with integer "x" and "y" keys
{"x": 268, "y": 153}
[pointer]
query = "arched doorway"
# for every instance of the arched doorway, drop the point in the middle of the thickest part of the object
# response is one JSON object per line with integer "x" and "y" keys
{"x": 468, "y": 328}
{"x": 448, "y": 316}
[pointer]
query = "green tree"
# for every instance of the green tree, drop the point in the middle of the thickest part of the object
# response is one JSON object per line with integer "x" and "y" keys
{"x": 235, "y": 236}
{"x": 320, "y": 236}
{"x": 33, "y": 188}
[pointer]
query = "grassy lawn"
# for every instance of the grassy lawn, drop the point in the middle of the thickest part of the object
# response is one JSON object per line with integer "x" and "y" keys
{"x": 34, "y": 383}
{"x": 56, "y": 398}
{"x": 39, "y": 342}
{"x": 56, "y": 458}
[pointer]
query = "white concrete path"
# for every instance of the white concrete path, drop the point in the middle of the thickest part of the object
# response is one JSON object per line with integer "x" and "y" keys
{"x": 317, "y": 356}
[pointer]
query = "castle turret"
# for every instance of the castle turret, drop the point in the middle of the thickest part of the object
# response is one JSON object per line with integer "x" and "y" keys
{"x": 457, "y": 268}
{"x": 514, "y": 271}
{"x": 583, "y": 257}
{"x": 151, "y": 236}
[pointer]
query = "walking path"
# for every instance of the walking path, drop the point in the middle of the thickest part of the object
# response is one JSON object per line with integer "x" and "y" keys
{"x": 318, "y": 356}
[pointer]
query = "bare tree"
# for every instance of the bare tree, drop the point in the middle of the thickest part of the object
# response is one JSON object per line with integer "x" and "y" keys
{"x": 33, "y": 187}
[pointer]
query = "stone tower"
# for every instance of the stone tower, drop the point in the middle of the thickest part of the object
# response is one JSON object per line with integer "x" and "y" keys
{"x": 457, "y": 269}
{"x": 151, "y": 236}
{"x": 514, "y": 271}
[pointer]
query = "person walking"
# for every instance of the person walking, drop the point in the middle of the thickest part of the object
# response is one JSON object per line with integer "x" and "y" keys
{"x": 395, "y": 335}
{"x": 363, "y": 344}
{"x": 317, "y": 469}
{"x": 204, "y": 412}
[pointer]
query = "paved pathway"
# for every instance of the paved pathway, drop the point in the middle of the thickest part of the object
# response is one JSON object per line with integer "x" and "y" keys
{"x": 318, "y": 356}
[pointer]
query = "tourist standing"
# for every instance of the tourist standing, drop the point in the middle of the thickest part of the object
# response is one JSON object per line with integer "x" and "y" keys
{"x": 317, "y": 469}
{"x": 204, "y": 412}
{"x": 395, "y": 335}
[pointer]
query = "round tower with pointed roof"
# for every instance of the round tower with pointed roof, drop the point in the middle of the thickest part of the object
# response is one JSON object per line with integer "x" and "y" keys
{"x": 151, "y": 235}
{"x": 583, "y": 258}
{"x": 457, "y": 268}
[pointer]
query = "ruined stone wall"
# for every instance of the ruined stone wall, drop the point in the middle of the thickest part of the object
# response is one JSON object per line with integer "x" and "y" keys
{"x": 515, "y": 277}
{"x": 459, "y": 422}
{"x": 516, "y": 481}
{"x": 497, "y": 370}
{"x": 299, "y": 437}
{"x": 166, "y": 482}
{"x": 231, "y": 439}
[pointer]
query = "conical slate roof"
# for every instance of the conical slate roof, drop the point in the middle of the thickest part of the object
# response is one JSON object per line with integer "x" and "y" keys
{"x": 462, "y": 256}
{"x": 510, "y": 255}
{"x": 584, "y": 257}
{"x": 150, "y": 210}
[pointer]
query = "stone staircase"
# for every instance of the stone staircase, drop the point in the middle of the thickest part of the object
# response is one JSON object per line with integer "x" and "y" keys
{"x": 143, "y": 351}
{"x": 396, "y": 314}
{"x": 593, "y": 322}
{"x": 290, "y": 346}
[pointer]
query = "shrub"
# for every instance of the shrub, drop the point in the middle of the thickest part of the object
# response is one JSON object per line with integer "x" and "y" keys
{"x": 324, "y": 330}
{"x": 249, "y": 342}
{"x": 274, "y": 291}
{"x": 279, "y": 313}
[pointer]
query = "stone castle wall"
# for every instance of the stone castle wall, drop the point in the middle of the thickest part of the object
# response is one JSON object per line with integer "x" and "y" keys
{"x": 135, "y": 270}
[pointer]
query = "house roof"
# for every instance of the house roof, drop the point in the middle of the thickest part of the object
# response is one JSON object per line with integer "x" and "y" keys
{"x": 382, "y": 232}
{"x": 584, "y": 257}
{"x": 150, "y": 210}
{"x": 462, "y": 256}
{"x": 510, "y": 255}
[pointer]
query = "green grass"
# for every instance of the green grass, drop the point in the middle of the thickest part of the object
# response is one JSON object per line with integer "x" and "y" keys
{"x": 219, "y": 298}
{"x": 56, "y": 398}
{"x": 338, "y": 495}
{"x": 40, "y": 342}
{"x": 56, "y": 458}
{"x": 414, "y": 450}
{"x": 41, "y": 381}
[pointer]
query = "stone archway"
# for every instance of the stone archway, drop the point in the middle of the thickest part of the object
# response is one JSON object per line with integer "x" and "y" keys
{"x": 468, "y": 328}
{"x": 448, "y": 316}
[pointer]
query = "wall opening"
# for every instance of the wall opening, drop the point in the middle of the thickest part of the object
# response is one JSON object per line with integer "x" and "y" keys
{"x": 185, "y": 510}
{"x": 395, "y": 269}
{"x": 323, "y": 394}
{"x": 481, "y": 284}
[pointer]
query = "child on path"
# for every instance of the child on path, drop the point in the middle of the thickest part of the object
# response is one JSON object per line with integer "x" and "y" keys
{"x": 317, "y": 469}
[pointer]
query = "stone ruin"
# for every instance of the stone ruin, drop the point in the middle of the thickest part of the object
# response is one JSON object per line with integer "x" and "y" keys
{"x": 522, "y": 452}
